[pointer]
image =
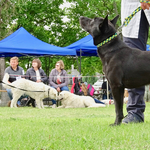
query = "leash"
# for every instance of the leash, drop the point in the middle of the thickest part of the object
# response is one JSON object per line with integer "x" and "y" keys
{"x": 26, "y": 90}
{"x": 125, "y": 23}
{"x": 22, "y": 89}
{"x": 128, "y": 19}
{"x": 49, "y": 92}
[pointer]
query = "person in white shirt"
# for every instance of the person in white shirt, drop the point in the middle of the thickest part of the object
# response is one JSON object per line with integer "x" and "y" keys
{"x": 135, "y": 35}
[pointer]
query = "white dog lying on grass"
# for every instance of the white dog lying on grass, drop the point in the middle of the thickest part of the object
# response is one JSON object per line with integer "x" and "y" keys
{"x": 46, "y": 91}
{"x": 70, "y": 100}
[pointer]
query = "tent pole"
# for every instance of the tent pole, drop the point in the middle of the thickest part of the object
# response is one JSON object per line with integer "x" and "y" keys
{"x": 78, "y": 63}
{"x": 49, "y": 65}
{"x": 80, "y": 60}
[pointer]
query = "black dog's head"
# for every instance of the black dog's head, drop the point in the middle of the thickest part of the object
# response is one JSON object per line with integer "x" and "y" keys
{"x": 99, "y": 28}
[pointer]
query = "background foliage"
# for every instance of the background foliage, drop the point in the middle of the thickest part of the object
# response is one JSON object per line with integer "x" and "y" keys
{"x": 45, "y": 20}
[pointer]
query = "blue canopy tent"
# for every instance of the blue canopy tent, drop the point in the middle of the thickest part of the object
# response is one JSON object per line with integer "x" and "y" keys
{"x": 21, "y": 43}
{"x": 84, "y": 47}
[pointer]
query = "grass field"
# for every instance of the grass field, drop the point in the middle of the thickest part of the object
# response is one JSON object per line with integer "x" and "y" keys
{"x": 70, "y": 129}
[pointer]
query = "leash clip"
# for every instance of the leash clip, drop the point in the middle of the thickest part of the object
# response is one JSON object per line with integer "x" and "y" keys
{"x": 119, "y": 30}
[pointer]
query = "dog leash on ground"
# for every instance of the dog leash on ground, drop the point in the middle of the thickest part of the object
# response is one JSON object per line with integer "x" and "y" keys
{"x": 125, "y": 23}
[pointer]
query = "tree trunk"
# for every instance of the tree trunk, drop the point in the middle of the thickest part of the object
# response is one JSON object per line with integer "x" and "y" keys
{"x": 4, "y": 96}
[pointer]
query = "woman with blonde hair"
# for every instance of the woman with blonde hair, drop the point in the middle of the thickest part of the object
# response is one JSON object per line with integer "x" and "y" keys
{"x": 58, "y": 79}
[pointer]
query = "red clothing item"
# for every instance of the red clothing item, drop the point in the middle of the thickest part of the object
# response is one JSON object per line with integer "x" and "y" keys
{"x": 72, "y": 88}
{"x": 58, "y": 81}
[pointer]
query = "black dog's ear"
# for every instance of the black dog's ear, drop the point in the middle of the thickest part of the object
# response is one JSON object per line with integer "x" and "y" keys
{"x": 114, "y": 21}
{"x": 104, "y": 25}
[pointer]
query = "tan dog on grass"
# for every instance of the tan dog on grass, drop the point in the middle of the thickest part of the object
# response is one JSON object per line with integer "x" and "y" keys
{"x": 70, "y": 100}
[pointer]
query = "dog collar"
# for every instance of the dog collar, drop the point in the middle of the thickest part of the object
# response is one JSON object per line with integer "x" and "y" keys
{"x": 107, "y": 40}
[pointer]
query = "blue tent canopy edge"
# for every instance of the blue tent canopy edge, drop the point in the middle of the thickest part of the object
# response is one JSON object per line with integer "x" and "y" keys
{"x": 21, "y": 43}
{"x": 86, "y": 46}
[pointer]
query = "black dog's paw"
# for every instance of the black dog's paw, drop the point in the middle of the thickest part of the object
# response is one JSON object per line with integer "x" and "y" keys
{"x": 114, "y": 124}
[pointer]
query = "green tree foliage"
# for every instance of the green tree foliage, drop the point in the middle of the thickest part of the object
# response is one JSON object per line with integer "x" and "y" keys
{"x": 36, "y": 15}
{"x": 91, "y": 9}
{"x": 6, "y": 17}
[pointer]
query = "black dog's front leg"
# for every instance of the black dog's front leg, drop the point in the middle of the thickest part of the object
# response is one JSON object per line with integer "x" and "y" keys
{"x": 118, "y": 94}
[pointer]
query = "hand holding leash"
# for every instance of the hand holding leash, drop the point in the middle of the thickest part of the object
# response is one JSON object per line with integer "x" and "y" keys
{"x": 145, "y": 4}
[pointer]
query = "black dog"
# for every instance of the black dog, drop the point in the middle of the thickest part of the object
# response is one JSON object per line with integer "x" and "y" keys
{"x": 124, "y": 67}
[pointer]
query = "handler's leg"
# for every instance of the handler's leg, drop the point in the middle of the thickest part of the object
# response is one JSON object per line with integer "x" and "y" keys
{"x": 136, "y": 104}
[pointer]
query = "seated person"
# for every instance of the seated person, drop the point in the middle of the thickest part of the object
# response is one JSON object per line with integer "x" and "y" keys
{"x": 36, "y": 74}
{"x": 58, "y": 79}
{"x": 76, "y": 87}
{"x": 15, "y": 73}
{"x": 83, "y": 89}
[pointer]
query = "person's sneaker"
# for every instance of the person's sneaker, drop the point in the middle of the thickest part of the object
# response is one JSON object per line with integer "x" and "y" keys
{"x": 132, "y": 118}
{"x": 54, "y": 106}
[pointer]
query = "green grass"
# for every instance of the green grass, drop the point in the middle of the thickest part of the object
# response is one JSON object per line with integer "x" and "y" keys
{"x": 70, "y": 129}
